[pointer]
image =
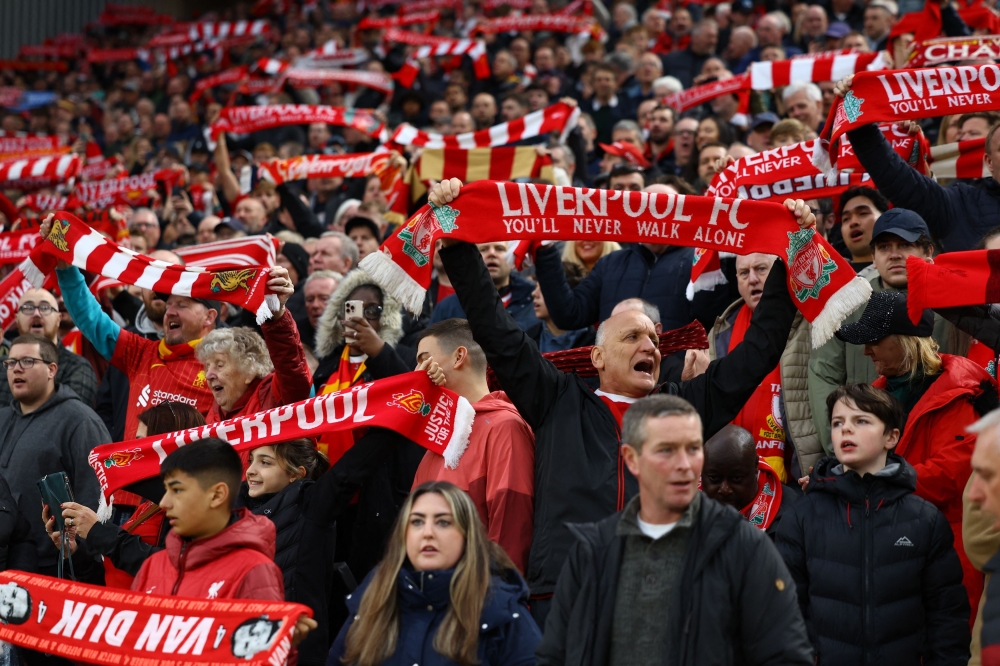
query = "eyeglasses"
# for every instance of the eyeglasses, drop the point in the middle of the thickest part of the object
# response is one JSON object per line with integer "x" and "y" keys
{"x": 685, "y": 133}
{"x": 371, "y": 312}
{"x": 29, "y": 309}
{"x": 26, "y": 363}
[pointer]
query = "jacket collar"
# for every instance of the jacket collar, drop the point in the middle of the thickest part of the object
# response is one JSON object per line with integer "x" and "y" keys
{"x": 629, "y": 523}
{"x": 892, "y": 483}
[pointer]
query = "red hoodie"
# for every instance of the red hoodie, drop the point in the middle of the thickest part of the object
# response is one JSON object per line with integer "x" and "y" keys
{"x": 498, "y": 471}
{"x": 236, "y": 563}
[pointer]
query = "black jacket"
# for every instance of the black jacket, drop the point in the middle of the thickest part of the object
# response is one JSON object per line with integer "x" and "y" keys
{"x": 878, "y": 578}
{"x": 17, "y": 549}
{"x": 958, "y": 215}
{"x": 521, "y": 307}
{"x": 579, "y": 473}
{"x": 735, "y": 603}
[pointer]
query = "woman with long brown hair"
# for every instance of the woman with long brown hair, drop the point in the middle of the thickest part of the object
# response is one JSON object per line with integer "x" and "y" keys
{"x": 443, "y": 593}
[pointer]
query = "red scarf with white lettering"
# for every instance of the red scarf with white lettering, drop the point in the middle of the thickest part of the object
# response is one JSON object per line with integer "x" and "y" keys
{"x": 940, "y": 50}
{"x": 822, "y": 283}
{"x": 11, "y": 289}
{"x": 303, "y": 77}
{"x": 558, "y": 117}
{"x": 410, "y": 404}
{"x": 100, "y": 625}
{"x": 764, "y": 507}
{"x": 909, "y": 94}
{"x": 544, "y": 22}
{"x": 246, "y": 119}
{"x": 761, "y": 415}
{"x": 355, "y": 165}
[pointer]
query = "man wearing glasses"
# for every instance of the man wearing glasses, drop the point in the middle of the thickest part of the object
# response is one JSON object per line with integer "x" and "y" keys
{"x": 38, "y": 313}
{"x": 45, "y": 429}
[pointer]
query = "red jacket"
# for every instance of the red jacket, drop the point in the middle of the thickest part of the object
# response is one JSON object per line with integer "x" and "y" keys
{"x": 498, "y": 471}
{"x": 936, "y": 443}
{"x": 236, "y": 563}
{"x": 290, "y": 382}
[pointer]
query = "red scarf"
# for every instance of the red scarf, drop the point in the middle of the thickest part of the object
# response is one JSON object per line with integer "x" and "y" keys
{"x": 336, "y": 444}
{"x": 812, "y": 68}
{"x": 761, "y": 414}
{"x": 73, "y": 241}
{"x": 698, "y": 95}
{"x": 545, "y": 22}
{"x": 131, "y": 190}
{"x": 765, "y": 505}
{"x": 558, "y": 117}
{"x": 12, "y": 288}
{"x": 34, "y": 173}
{"x": 247, "y": 119}
{"x": 824, "y": 287}
{"x": 21, "y": 147}
{"x": 15, "y": 246}
{"x": 313, "y": 78}
{"x": 248, "y": 251}
{"x": 983, "y": 356}
{"x": 99, "y": 625}
{"x": 225, "y": 77}
{"x": 953, "y": 280}
{"x": 370, "y": 23}
{"x": 963, "y": 159}
{"x": 912, "y": 94}
{"x": 940, "y": 50}
{"x": 355, "y": 165}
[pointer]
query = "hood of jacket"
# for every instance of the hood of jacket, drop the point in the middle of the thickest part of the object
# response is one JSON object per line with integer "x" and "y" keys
{"x": 62, "y": 394}
{"x": 247, "y": 531}
{"x": 895, "y": 480}
{"x": 497, "y": 401}
{"x": 329, "y": 332}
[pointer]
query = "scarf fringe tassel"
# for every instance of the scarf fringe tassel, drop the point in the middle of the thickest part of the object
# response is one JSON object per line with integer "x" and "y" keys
{"x": 465, "y": 414}
{"x": 104, "y": 508}
{"x": 849, "y": 298}
{"x": 32, "y": 274}
{"x": 394, "y": 279}
{"x": 267, "y": 308}
{"x": 705, "y": 282}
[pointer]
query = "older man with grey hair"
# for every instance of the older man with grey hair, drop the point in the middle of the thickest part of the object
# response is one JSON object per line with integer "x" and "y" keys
{"x": 335, "y": 251}
{"x": 981, "y": 526}
{"x": 675, "y": 577}
{"x": 804, "y": 102}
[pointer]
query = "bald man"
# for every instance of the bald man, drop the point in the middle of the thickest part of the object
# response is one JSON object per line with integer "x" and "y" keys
{"x": 735, "y": 475}
{"x": 38, "y": 312}
{"x": 580, "y": 476}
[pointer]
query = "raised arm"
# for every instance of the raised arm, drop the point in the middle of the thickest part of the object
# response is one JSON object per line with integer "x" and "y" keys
{"x": 228, "y": 181}
{"x": 93, "y": 322}
{"x": 302, "y": 217}
{"x": 291, "y": 372}
{"x": 572, "y": 308}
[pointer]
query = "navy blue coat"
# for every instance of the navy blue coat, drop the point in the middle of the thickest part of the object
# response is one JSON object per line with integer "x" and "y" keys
{"x": 876, "y": 571}
{"x": 508, "y": 634}
{"x": 521, "y": 306}
{"x": 958, "y": 215}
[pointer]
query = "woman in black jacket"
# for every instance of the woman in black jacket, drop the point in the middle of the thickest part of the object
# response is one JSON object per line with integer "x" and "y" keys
{"x": 875, "y": 568}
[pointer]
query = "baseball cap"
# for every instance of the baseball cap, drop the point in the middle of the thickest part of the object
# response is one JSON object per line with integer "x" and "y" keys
{"x": 902, "y": 222}
{"x": 766, "y": 118}
{"x": 630, "y": 152}
{"x": 359, "y": 221}
{"x": 232, "y": 223}
{"x": 838, "y": 30}
{"x": 742, "y": 6}
{"x": 885, "y": 315}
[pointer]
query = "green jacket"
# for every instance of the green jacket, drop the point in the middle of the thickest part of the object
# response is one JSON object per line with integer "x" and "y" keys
{"x": 837, "y": 363}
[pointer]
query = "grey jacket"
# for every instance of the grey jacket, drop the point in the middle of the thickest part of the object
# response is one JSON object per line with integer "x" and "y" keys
{"x": 56, "y": 437}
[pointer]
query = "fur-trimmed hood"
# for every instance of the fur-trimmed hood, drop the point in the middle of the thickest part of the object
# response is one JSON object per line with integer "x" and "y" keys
{"x": 330, "y": 333}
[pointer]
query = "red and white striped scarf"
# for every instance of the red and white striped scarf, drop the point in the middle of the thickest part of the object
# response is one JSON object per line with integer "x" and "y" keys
{"x": 558, "y": 117}
{"x": 39, "y": 172}
{"x": 698, "y": 95}
{"x": 22, "y": 147}
{"x": 431, "y": 45}
{"x": 331, "y": 55}
{"x": 74, "y": 242}
{"x": 960, "y": 160}
{"x": 355, "y": 165}
{"x": 270, "y": 66}
{"x": 770, "y": 75}
{"x": 221, "y": 29}
{"x": 311, "y": 78}
{"x": 252, "y": 251}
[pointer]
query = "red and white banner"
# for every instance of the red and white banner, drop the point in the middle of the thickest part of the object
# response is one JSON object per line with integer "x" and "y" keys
{"x": 15, "y": 246}
{"x": 117, "y": 55}
{"x": 21, "y": 147}
{"x": 12, "y": 288}
{"x": 312, "y": 78}
{"x": 542, "y": 22}
{"x": 769, "y": 75}
{"x": 370, "y": 23}
{"x": 698, "y": 95}
{"x": 558, "y": 117}
{"x": 225, "y": 77}
{"x": 246, "y": 119}
{"x": 355, "y": 165}
{"x": 442, "y": 46}
{"x": 257, "y": 251}
{"x": 101, "y": 625}
{"x": 131, "y": 191}
{"x": 984, "y": 48}
{"x": 99, "y": 170}
{"x": 331, "y": 55}
{"x": 36, "y": 173}
{"x": 960, "y": 160}
{"x": 194, "y": 32}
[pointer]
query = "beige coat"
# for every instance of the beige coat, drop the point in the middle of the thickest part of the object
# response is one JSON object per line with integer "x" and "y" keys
{"x": 981, "y": 541}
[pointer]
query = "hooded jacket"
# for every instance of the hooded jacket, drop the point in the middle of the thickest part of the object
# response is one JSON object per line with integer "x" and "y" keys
{"x": 734, "y": 604}
{"x": 877, "y": 577}
{"x": 498, "y": 470}
{"x": 507, "y": 633}
{"x": 236, "y": 563}
{"x": 56, "y": 437}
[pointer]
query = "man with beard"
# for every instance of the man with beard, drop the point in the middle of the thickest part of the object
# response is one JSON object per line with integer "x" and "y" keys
{"x": 660, "y": 146}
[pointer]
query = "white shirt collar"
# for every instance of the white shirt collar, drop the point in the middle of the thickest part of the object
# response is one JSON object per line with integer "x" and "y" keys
{"x": 615, "y": 397}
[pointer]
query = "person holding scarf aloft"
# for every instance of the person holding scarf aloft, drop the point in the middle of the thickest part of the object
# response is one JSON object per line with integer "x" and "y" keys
{"x": 579, "y": 473}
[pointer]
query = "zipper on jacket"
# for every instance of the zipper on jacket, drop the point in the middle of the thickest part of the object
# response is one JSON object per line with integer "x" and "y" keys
{"x": 180, "y": 567}
{"x": 868, "y": 629}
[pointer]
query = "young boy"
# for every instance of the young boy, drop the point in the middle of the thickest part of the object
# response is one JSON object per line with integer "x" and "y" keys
{"x": 877, "y": 576}
{"x": 212, "y": 552}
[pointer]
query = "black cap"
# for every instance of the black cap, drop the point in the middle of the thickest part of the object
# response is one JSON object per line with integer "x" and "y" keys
{"x": 297, "y": 257}
{"x": 903, "y": 223}
{"x": 742, "y": 6}
{"x": 359, "y": 221}
{"x": 766, "y": 118}
{"x": 211, "y": 305}
{"x": 199, "y": 145}
{"x": 885, "y": 315}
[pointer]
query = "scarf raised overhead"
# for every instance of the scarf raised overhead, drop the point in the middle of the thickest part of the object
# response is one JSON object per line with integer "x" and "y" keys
{"x": 558, "y": 117}
{"x": 433, "y": 417}
{"x": 246, "y": 119}
{"x": 822, "y": 284}
{"x": 34, "y": 173}
{"x": 963, "y": 159}
{"x": 355, "y": 165}
{"x": 100, "y": 625}
{"x": 953, "y": 280}
{"x": 74, "y": 242}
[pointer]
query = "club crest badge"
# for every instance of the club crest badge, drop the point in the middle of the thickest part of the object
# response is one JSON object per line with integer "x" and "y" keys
{"x": 418, "y": 236}
{"x": 852, "y": 106}
{"x": 58, "y": 235}
{"x": 232, "y": 280}
{"x": 809, "y": 265}
{"x": 413, "y": 402}
{"x": 122, "y": 458}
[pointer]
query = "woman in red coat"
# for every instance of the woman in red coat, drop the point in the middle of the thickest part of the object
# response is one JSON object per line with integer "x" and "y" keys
{"x": 942, "y": 396}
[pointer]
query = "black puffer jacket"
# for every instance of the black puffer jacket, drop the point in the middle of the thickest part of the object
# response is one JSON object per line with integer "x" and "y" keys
{"x": 735, "y": 604}
{"x": 878, "y": 578}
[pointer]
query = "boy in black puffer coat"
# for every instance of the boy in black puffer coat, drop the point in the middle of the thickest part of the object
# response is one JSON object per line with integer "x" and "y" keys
{"x": 876, "y": 571}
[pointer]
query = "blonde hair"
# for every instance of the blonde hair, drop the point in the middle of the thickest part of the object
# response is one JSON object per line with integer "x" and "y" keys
{"x": 373, "y": 636}
{"x": 788, "y": 127}
{"x": 920, "y": 354}
{"x": 569, "y": 252}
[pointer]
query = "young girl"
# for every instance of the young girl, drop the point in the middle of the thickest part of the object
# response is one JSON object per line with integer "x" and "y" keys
{"x": 877, "y": 576}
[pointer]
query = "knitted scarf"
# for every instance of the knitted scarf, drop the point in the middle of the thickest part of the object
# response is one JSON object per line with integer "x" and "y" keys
{"x": 33, "y": 173}
{"x": 765, "y": 505}
{"x": 940, "y": 50}
{"x": 11, "y": 289}
{"x": 433, "y": 417}
{"x": 313, "y": 78}
{"x": 74, "y": 242}
{"x": 355, "y": 165}
{"x": 546, "y": 22}
{"x": 558, "y": 117}
{"x": 20, "y": 147}
{"x": 963, "y": 159}
{"x": 15, "y": 246}
{"x": 912, "y": 94}
{"x": 247, "y": 119}
{"x": 370, "y": 23}
{"x": 100, "y": 625}
{"x": 821, "y": 282}
{"x": 953, "y": 280}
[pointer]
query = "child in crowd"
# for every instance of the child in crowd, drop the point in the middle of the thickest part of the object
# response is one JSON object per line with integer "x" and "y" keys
{"x": 877, "y": 576}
